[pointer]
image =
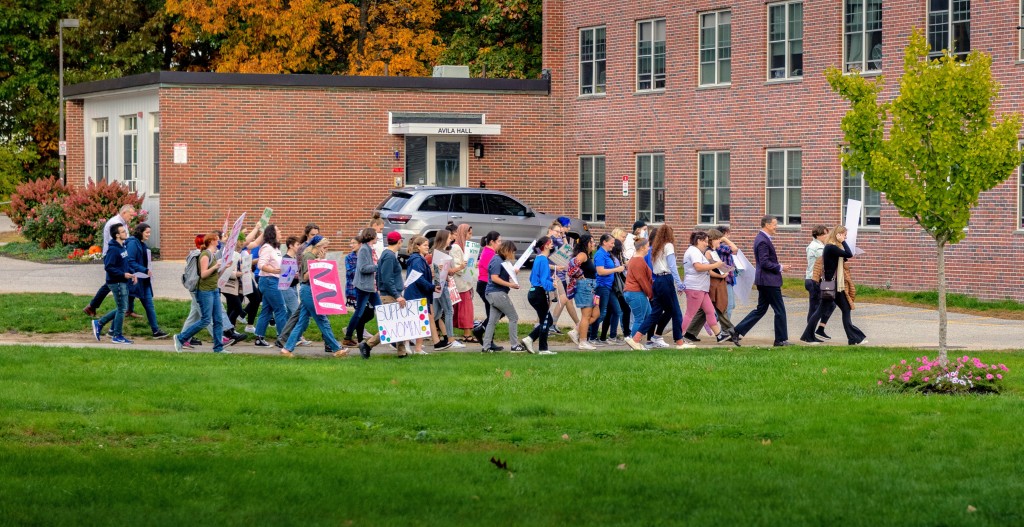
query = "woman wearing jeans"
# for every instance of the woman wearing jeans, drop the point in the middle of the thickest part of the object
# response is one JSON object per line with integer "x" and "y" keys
{"x": 138, "y": 257}
{"x": 608, "y": 304}
{"x": 208, "y": 297}
{"x": 316, "y": 249}
{"x": 366, "y": 287}
{"x": 638, "y": 291}
{"x": 666, "y": 284}
{"x": 542, "y": 289}
{"x": 269, "y": 265}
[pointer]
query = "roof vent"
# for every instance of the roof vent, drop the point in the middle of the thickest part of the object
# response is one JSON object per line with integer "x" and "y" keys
{"x": 452, "y": 72}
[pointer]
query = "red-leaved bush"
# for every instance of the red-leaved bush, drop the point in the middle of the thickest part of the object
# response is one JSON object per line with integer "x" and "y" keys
{"x": 29, "y": 195}
{"x": 87, "y": 209}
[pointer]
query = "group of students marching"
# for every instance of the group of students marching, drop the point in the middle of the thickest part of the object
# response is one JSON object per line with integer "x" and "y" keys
{"x": 620, "y": 279}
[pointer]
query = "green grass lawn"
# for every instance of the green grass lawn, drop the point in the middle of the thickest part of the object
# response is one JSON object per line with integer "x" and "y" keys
{"x": 746, "y": 437}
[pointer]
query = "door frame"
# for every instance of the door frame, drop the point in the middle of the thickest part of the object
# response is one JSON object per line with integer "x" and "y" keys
{"x": 463, "y": 141}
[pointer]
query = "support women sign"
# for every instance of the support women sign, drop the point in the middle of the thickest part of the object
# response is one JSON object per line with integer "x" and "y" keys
{"x": 325, "y": 284}
{"x": 398, "y": 324}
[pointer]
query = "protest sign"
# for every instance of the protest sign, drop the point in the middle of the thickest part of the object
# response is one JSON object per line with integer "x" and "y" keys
{"x": 378, "y": 247}
{"x": 265, "y": 218}
{"x": 398, "y": 324}
{"x": 325, "y": 284}
{"x": 411, "y": 277}
{"x": 289, "y": 268}
{"x": 853, "y": 208}
{"x": 744, "y": 278}
{"x": 526, "y": 254}
{"x": 561, "y": 257}
{"x": 246, "y": 278}
{"x": 472, "y": 253}
{"x": 511, "y": 272}
{"x": 229, "y": 251}
{"x": 441, "y": 262}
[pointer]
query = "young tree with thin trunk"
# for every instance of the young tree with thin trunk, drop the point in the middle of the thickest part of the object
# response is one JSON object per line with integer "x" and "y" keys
{"x": 944, "y": 145}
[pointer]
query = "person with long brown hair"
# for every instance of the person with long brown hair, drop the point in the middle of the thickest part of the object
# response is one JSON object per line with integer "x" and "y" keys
{"x": 667, "y": 284}
{"x": 423, "y": 287}
{"x": 833, "y": 261}
{"x": 269, "y": 264}
{"x": 583, "y": 296}
{"x": 366, "y": 288}
{"x": 497, "y": 294}
{"x": 441, "y": 321}
{"x": 697, "y": 280}
{"x": 464, "y": 282}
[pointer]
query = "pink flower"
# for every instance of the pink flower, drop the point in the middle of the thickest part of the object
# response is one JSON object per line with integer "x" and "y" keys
{"x": 891, "y": 377}
{"x": 926, "y": 379}
{"x": 999, "y": 376}
{"x": 966, "y": 358}
{"x": 879, "y": 383}
{"x": 904, "y": 361}
{"x": 988, "y": 376}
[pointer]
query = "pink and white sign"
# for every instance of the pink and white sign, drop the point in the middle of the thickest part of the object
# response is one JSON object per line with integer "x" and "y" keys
{"x": 325, "y": 284}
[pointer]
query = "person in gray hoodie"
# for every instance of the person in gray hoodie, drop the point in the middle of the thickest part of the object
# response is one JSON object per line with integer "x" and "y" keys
{"x": 366, "y": 286}
{"x": 391, "y": 286}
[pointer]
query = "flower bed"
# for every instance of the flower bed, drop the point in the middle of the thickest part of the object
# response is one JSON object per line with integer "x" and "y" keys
{"x": 959, "y": 375}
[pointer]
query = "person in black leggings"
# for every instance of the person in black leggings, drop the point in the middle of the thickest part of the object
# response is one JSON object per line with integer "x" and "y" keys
{"x": 542, "y": 289}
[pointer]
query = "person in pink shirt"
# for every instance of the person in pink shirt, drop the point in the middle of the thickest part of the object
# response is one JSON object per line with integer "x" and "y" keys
{"x": 488, "y": 245}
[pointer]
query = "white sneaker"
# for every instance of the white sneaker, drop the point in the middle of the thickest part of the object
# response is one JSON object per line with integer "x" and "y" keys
{"x": 304, "y": 342}
{"x": 528, "y": 343}
{"x": 457, "y": 344}
{"x": 574, "y": 336}
{"x": 685, "y": 345}
{"x": 633, "y": 344}
{"x": 250, "y": 329}
{"x": 547, "y": 352}
{"x": 584, "y": 345}
{"x": 658, "y": 342}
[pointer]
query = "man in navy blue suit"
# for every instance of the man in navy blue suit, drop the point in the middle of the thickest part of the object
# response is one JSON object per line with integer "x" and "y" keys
{"x": 768, "y": 279}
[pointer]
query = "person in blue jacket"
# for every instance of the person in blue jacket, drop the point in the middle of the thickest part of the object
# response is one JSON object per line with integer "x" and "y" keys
{"x": 423, "y": 287}
{"x": 115, "y": 263}
{"x": 138, "y": 262}
{"x": 540, "y": 296}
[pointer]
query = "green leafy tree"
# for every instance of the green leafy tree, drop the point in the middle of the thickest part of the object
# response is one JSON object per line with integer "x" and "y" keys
{"x": 502, "y": 37}
{"x": 944, "y": 145}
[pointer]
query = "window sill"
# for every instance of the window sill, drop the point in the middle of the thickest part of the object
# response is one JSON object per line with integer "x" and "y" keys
{"x": 709, "y": 226}
{"x": 790, "y": 80}
{"x": 874, "y": 229}
{"x": 1019, "y": 232}
{"x": 872, "y": 73}
{"x": 591, "y": 96}
{"x": 714, "y": 86}
{"x": 659, "y": 91}
{"x": 790, "y": 228}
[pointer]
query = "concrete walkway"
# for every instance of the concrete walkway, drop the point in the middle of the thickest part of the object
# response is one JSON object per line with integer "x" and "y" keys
{"x": 885, "y": 325}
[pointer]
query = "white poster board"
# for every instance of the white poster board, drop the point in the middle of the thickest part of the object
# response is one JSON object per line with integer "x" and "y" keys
{"x": 396, "y": 324}
{"x": 511, "y": 272}
{"x": 526, "y": 255}
{"x": 853, "y": 208}
{"x": 745, "y": 279}
{"x": 289, "y": 268}
{"x": 472, "y": 253}
{"x": 561, "y": 257}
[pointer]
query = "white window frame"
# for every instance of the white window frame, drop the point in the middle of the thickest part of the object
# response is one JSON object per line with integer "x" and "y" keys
{"x": 130, "y": 155}
{"x": 788, "y": 41}
{"x": 154, "y": 134}
{"x": 719, "y": 55}
{"x": 594, "y": 161}
{"x": 101, "y": 132}
{"x": 594, "y": 61}
{"x": 934, "y": 20}
{"x": 655, "y": 80}
{"x": 717, "y": 188}
{"x": 785, "y": 216}
{"x": 870, "y": 55}
{"x": 864, "y": 190}
{"x": 653, "y": 216}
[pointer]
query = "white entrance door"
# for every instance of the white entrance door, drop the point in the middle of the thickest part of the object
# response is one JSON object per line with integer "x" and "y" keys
{"x": 437, "y": 160}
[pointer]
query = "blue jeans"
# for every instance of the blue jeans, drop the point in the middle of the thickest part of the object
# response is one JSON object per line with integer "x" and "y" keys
{"x": 120, "y": 292}
{"x": 609, "y": 306}
{"x": 666, "y": 304}
{"x": 640, "y": 306}
{"x": 291, "y": 298}
{"x": 365, "y": 302}
{"x": 146, "y": 297}
{"x": 209, "y": 311}
{"x": 272, "y": 301}
{"x": 307, "y": 310}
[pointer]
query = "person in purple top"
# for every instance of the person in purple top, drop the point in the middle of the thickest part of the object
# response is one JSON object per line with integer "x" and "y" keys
{"x": 768, "y": 279}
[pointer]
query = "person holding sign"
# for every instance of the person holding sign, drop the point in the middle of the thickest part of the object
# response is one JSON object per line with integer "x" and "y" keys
{"x": 269, "y": 265}
{"x": 390, "y": 285}
{"x": 697, "y": 281}
{"x": 423, "y": 285}
{"x": 497, "y": 294}
{"x": 541, "y": 294}
{"x": 463, "y": 316}
{"x": 441, "y": 266}
{"x": 316, "y": 249}
{"x": 366, "y": 287}
{"x": 559, "y": 260}
{"x": 833, "y": 260}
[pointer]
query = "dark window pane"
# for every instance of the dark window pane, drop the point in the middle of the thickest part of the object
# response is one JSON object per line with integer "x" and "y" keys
{"x": 415, "y": 160}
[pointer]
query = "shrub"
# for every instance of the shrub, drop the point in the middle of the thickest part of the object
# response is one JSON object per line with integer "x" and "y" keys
{"x": 964, "y": 375}
{"x": 89, "y": 208}
{"x": 29, "y": 195}
{"x": 46, "y": 226}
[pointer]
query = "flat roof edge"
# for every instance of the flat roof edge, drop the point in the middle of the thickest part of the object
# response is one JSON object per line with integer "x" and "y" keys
{"x": 171, "y": 78}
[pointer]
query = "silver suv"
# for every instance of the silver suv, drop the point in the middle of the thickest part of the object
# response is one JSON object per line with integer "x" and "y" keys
{"x": 425, "y": 210}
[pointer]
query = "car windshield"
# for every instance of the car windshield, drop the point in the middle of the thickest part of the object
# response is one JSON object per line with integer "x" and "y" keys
{"x": 395, "y": 201}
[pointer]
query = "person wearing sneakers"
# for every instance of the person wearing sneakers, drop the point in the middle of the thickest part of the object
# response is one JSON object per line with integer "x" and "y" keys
{"x": 390, "y": 285}
{"x": 366, "y": 287}
{"x": 442, "y": 325}
{"x": 316, "y": 249}
{"x": 697, "y": 281}
{"x": 718, "y": 292}
{"x": 667, "y": 284}
{"x": 269, "y": 264}
{"x": 638, "y": 292}
{"x": 488, "y": 244}
{"x": 115, "y": 263}
{"x": 583, "y": 270}
{"x": 497, "y": 294}
{"x": 138, "y": 262}
{"x": 124, "y": 216}
{"x": 541, "y": 294}
{"x": 819, "y": 236}
{"x": 208, "y": 296}
{"x": 833, "y": 267}
{"x": 423, "y": 286}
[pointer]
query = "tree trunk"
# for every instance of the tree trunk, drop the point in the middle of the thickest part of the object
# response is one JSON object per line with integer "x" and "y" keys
{"x": 941, "y": 267}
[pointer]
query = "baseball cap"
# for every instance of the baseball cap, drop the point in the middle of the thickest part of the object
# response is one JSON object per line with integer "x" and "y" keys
{"x": 639, "y": 224}
{"x": 394, "y": 237}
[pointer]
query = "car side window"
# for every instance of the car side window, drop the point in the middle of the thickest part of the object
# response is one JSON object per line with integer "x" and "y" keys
{"x": 505, "y": 206}
{"x": 436, "y": 203}
{"x": 468, "y": 203}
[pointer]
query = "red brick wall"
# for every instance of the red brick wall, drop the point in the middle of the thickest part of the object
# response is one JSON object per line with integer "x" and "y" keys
{"x": 753, "y": 115}
{"x": 74, "y": 133}
{"x": 325, "y": 155}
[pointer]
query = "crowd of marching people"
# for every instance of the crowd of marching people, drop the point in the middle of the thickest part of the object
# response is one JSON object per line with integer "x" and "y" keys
{"x": 621, "y": 288}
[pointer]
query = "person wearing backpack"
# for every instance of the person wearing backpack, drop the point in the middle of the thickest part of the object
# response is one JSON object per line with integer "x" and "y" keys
{"x": 208, "y": 297}
{"x": 190, "y": 280}
{"x": 115, "y": 263}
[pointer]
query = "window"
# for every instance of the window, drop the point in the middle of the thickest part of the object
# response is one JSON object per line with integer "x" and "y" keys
{"x": 130, "y": 136}
{"x": 713, "y": 183}
{"x": 436, "y": 203}
{"x": 592, "y": 60}
{"x": 949, "y": 27}
{"x": 592, "y": 188}
{"x": 863, "y": 35}
{"x": 415, "y": 160}
{"x": 716, "y": 48}
{"x": 783, "y": 186}
{"x": 101, "y": 130}
{"x": 854, "y": 187}
{"x": 650, "y": 55}
{"x": 650, "y": 184}
{"x": 786, "y": 40}
{"x": 504, "y": 206}
{"x": 155, "y": 187}
{"x": 468, "y": 203}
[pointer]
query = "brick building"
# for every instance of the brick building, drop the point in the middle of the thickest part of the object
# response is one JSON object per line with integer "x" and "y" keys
{"x": 694, "y": 113}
